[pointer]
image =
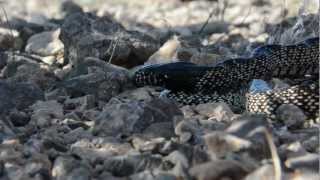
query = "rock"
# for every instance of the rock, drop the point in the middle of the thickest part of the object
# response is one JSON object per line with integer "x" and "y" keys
{"x": 243, "y": 125}
{"x": 69, "y": 7}
{"x": 7, "y": 130}
{"x": 206, "y": 59}
{"x": 18, "y": 95}
{"x": 131, "y": 164}
{"x": 103, "y": 83}
{"x": 220, "y": 112}
{"x": 161, "y": 129}
{"x": 25, "y": 68}
{"x": 66, "y": 167}
{"x": 92, "y": 84}
{"x": 143, "y": 144}
{"x": 166, "y": 52}
{"x": 312, "y": 144}
{"x": 220, "y": 144}
{"x": 292, "y": 116}
{"x": 189, "y": 131}
{"x": 45, "y": 43}
{"x": 177, "y": 158}
{"x": 19, "y": 118}
{"x": 134, "y": 117}
{"x": 307, "y": 161}
{"x": 153, "y": 175}
{"x": 87, "y": 35}
{"x": 194, "y": 153}
{"x": 3, "y": 61}
{"x": 263, "y": 172}
{"x": 80, "y": 104}
{"x": 139, "y": 94}
{"x": 45, "y": 111}
{"x": 9, "y": 39}
{"x": 219, "y": 169}
{"x": 251, "y": 128}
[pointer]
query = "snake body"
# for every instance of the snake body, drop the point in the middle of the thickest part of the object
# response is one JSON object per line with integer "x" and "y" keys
{"x": 229, "y": 80}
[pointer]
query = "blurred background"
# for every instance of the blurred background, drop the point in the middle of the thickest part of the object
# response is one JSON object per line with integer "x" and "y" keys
{"x": 247, "y": 21}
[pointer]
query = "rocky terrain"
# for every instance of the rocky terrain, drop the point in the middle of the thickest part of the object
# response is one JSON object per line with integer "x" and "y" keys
{"x": 68, "y": 108}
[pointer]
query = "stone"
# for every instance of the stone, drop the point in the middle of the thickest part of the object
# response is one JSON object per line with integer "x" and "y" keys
{"x": 153, "y": 175}
{"x": 134, "y": 117}
{"x": 65, "y": 167}
{"x": 161, "y": 129}
{"x": 220, "y": 144}
{"x": 263, "y": 172}
{"x": 80, "y": 103}
{"x": 218, "y": 169}
{"x": 86, "y": 35}
{"x": 220, "y": 112}
{"x": 45, "y": 43}
{"x": 99, "y": 149}
{"x": 166, "y": 53}
{"x": 9, "y": 39}
{"x": 7, "y": 130}
{"x": 19, "y": 118}
{"x": 45, "y": 111}
{"x": 291, "y": 115}
{"x": 131, "y": 164}
{"x": 18, "y": 95}
{"x": 103, "y": 82}
{"x": 25, "y": 68}
{"x": 143, "y": 144}
{"x": 189, "y": 131}
{"x": 177, "y": 157}
{"x": 307, "y": 161}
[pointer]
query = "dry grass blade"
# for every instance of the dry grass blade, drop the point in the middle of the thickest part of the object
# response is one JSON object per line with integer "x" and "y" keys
{"x": 7, "y": 21}
{"x": 274, "y": 155}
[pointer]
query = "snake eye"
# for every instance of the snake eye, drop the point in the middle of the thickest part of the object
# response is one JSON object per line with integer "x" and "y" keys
{"x": 166, "y": 76}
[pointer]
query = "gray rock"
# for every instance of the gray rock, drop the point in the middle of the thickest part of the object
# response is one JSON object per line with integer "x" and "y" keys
{"x": 18, "y": 95}
{"x": 220, "y": 144}
{"x": 99, "y": 149}
{"x": 66, "y": 167}
{"x": 307, "y": 161}
{"x": 9, "y": 39}
{"x": 134, "y": 117}
{"x": 250, "y": 128}
{"x": 177, "y": 157}
{"x": 80, "y": 104}
{"x": 292, "y": 116}
{"x": 45, "y": 111}
{"x": 19, "y": 118}
{"x": 7, "y": 130}
{"x": 153, "y": 175}
{"x": 45, "y": 43}
{"x": 131, "y": 164}
{"x": 87, "y": 35}
{"x": 143, "y": 144}
{"x": 243, "y": 125}
{"x": 26, "y": 68}
{"x": 103, "y": 82}
{"x": 161, "y": 129}
{"x": 219, "y": 169}
{"x": 69, "y": 7}
{"x": 263, "y": 172}
{"x": 189, "y": 130}
{"x": 215, "y": 111}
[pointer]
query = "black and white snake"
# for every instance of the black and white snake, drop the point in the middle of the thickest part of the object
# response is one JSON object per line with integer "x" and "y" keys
{"x": 229, "y": 80}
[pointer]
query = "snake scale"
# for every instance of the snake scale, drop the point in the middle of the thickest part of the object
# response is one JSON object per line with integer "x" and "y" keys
{"x": 229, "y": 81}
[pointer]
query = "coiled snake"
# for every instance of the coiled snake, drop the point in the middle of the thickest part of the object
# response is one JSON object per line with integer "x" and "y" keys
{"x": 229, "y": 80}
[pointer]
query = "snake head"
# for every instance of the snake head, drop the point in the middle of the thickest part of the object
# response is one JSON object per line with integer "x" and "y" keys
{"x": 173, "y": 76}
